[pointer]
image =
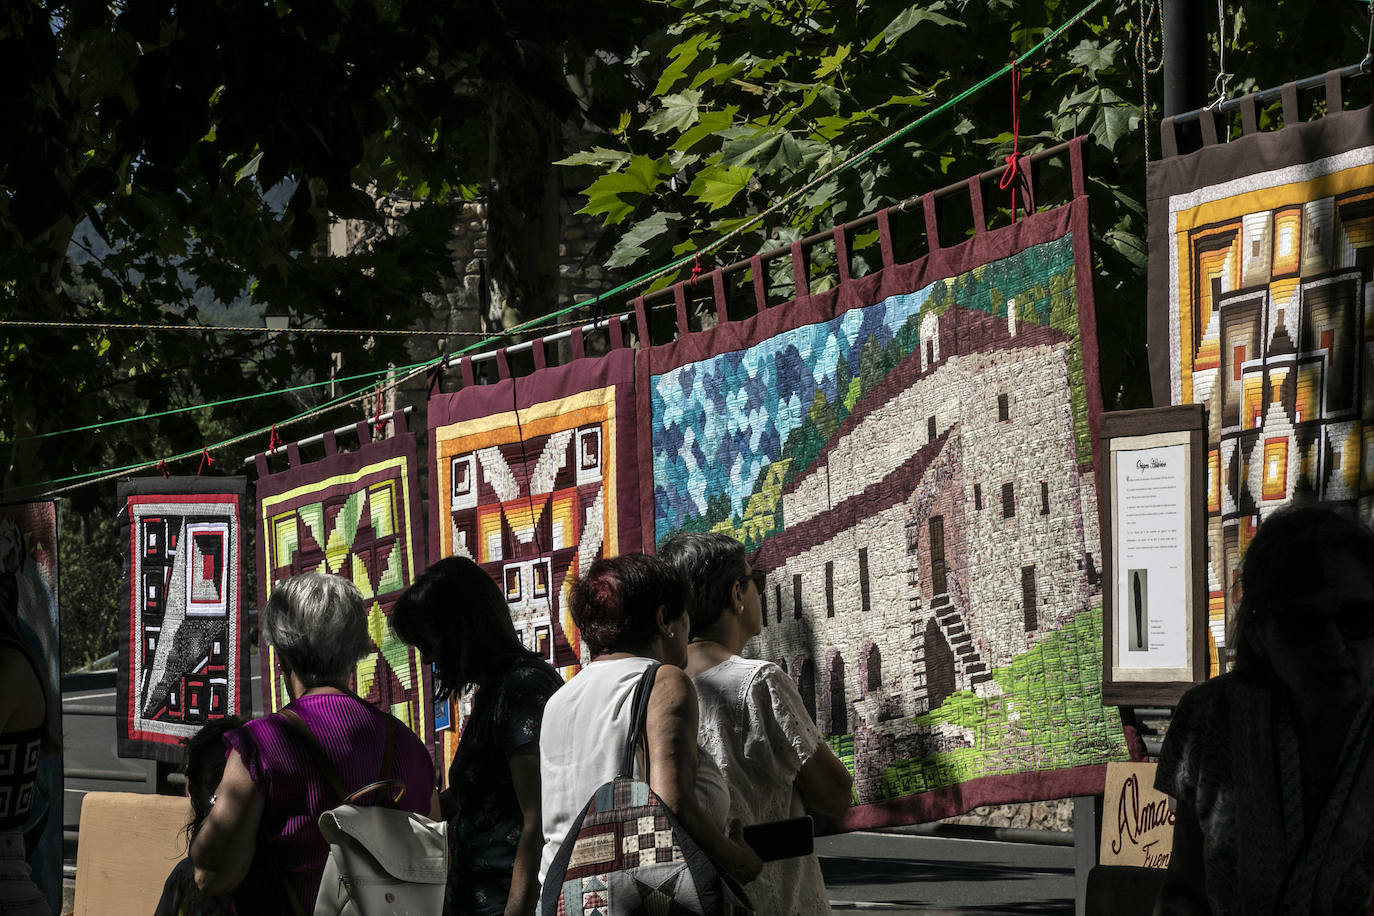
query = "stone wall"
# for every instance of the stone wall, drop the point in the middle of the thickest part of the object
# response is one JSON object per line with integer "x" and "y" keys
{"x": 1050, "y": 815}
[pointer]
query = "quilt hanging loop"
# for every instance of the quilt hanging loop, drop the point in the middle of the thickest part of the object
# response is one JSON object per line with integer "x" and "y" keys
{"x": 975, "y": 200}
{"x": 718, "y": 292}
{"x": 642, "y": 322}
{"x": 260, "y": 463}
{"x": 841, "y": 254}
{"x": 331, "y": 442}
{"x": 1335, "y": 100}
{"x": 616, "y": 332}
{"x": 1080, "y": 188}
{"x": 364, "y": 431}
{"x": 680, "y": 300}
{"x": 1292, "y": 111}
{"x": 1249, "y": 117}
{"x": 537, "y": 351}
{"x": 502, "y": 365}
{"x": 577, "y": 343}
{"x": 932, "y": 221}
{"x": 801, "y": 283}
{"x": 398, "y": 422}
{"x": 885, "y": 236}
{"x": 760, "y": 284}
{"x": 465, "y": 369}
{"x": 1168, "y": 138}
{"x": 293, "y": 454}
{"x": 1026, "y": 177}
{"x": 1207, "y": 120}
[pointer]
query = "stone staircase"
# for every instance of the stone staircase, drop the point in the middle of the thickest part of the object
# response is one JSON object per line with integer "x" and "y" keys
{"x": 950, "y": 619}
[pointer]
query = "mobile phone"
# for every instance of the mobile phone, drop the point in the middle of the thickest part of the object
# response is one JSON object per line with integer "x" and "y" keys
{"x": 787, "y": 839}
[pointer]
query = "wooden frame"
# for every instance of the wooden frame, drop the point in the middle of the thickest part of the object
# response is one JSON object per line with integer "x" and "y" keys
{"x": 1157, "y": 460}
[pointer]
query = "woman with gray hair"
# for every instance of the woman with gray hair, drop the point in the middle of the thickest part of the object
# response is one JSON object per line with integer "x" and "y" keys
{"x": 753, "y": 723}
{"x": 265, "y": 814}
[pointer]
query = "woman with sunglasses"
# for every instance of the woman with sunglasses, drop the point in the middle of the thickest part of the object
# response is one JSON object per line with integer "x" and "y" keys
{"x": 1268, "y": 765}
{"x": 753, "y": 722}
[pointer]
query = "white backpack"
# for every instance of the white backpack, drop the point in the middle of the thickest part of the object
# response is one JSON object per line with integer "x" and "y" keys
{"x": 382, "y": 861}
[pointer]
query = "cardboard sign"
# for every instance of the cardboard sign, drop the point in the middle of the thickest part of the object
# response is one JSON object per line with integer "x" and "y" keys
{"x": 1137, "y": 825}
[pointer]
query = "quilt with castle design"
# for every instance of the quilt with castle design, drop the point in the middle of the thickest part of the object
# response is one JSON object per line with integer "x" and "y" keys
{"x": 356, "y": 515}
{"x": 1260, "y": 270}
{"x": 911, "y": 456}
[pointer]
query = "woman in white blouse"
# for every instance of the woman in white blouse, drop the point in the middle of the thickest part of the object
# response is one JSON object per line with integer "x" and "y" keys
{"x": 753, "y": 723}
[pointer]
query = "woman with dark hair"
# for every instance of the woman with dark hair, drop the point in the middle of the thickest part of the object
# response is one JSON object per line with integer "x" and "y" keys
{"x": 753, "y": 723}
{"x": 265, "y": 814}
{"x": 203, "y": 767}
{"x": 1268, "y": 764}
{"x": 25, "y": 730}
{"x": 455, "y": 614}
{"x": 633, "y": 611}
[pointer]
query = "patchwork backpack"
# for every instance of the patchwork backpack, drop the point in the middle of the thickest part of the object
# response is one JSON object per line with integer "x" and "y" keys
{"x": 627, "y": 853}
{"x": 382, "y": 861}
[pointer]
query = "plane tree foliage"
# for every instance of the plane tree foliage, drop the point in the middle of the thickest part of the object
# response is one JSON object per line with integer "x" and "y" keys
{"x": 740, "y": 103}
{"x": 161, "y": 160}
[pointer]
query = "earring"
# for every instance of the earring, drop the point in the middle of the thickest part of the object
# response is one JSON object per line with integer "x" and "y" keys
{"x": 669, "y": 634}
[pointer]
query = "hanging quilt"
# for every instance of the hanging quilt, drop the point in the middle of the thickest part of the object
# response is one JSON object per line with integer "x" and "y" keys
{"x": 28, "y": 552}
{"x": 534, "y": 478}
{"x": 1260, "y": 268}
{"x": 911, "y": 454}
{"x": 356, "y": 515}
{"x": 183, "y": 655}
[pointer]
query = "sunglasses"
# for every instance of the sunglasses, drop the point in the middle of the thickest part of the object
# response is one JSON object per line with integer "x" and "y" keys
{"x": 1303, "y": 626}
{"x": 758, "y": 577}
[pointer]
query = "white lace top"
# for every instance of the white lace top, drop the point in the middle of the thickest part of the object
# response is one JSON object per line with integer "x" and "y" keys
{"x": 754, "y": 725}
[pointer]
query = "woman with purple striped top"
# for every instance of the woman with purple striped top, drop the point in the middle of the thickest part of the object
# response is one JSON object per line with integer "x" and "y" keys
{"x": 261, "y": 840}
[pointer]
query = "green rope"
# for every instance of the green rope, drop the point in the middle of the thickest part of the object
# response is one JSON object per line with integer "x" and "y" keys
{"x": 643, "y": 280}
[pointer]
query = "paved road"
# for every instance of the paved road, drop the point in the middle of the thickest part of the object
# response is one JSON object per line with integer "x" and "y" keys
{"x": 879, "y": 872}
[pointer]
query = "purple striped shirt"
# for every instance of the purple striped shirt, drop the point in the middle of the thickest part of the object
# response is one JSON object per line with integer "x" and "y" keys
{"x": 353, "y": 734}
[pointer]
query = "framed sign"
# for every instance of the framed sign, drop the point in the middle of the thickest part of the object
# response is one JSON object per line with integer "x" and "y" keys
{"x": 1154, "y": 515}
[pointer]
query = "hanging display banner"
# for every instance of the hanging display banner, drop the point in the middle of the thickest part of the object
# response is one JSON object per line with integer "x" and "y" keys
{"x": 28, "y": 554}
{"x": 911, "y": 454}
{"x": 1260, "y": 269}
{"x": 183, "y": 653}
{"x": 356, "y": 515}
{"x": 534, "y": 478}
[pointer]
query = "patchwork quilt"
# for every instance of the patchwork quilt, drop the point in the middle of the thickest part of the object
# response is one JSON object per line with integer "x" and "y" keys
{"x": 356, "y": 515}
{"x": 1260, "y": 269}
{"x": 534, "y": 478}
{"x": 183, "y": 655}
{"x": 911, "y": 456}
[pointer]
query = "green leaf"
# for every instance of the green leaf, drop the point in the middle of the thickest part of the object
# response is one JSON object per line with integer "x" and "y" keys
{"x": 717, "y": 185}
{"x": 1092, "y": 57}
{"x": 712, "y": 122}
{"x": 681, "y": 57}
{"x": 911, "y": 17}
{"x": 249, "y": 169}
{"x": 641, "y": 177}
{"x": 597, "y": 155}
{"x": 634, "y": 244}
{"x": 743, "y": 150}
{"x": 832, "y": 62}
{"x": 680, "y": 111}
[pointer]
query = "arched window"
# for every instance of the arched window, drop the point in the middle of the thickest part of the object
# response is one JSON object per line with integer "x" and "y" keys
{"x": 873, "y": 668}
{"x": 806, "y": 686}
{"x": 939, "y": 665}
{"x": 839, "y": 704}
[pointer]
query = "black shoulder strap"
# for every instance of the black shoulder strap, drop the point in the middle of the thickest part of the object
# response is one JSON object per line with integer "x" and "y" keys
{"x": 640, "y": 717}
{"x": 326, "y": 766}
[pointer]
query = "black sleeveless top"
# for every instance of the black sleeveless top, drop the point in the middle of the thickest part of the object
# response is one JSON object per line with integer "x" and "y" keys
{"x": 18, "y": 766}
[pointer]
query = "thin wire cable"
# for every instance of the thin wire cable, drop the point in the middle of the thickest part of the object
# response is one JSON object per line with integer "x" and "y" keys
{"x": 207, "y": 406}
{"x": 1219, "y": 88}
{"x": 81, "y": 480}
{"x": 1148, "y": 54}
{"x": 236, "y": 329}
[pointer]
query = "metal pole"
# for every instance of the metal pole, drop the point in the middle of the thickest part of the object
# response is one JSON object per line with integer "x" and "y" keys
{"x": 1185, "y": 60}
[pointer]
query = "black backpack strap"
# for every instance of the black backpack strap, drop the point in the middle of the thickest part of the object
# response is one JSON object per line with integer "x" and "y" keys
{"x": 639, "y": 718}
{"x": 326, "y": 766}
